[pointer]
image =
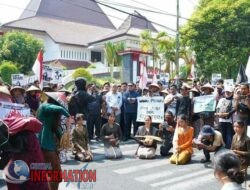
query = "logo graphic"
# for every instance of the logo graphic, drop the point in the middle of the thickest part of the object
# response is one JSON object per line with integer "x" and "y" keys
{"x": 17, "y": 172}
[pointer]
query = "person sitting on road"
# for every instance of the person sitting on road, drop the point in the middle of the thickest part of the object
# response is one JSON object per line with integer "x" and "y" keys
{"x": 111, "y": 134}
{"x": 227, "y": 170}
{"x": 81, "y": 148}
{"x": 209, "y": 140}
{"x": 182, "y": 142}
{"x": 168, "y": 127}
{"x": 147, "y": 147}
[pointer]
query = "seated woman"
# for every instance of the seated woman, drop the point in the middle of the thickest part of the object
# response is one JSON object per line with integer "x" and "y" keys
{"x": 182, "y": 141}
{"x": 227, "y": 170}
{"x": 241, "y": 144}
{"x": 147, "y": 147}
{"x": 81, "y": 148}
{"x": 111, "y": 134}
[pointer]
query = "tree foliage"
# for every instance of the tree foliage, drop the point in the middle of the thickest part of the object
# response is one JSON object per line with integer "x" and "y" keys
{"x": 162, "y": 46}
{"x": 219, "y": 33}
{"x": 6, "y": 69}
{"x": 81, "y": 72}
{"x": 20, "y": 48}
{"x": 111, "y": 51}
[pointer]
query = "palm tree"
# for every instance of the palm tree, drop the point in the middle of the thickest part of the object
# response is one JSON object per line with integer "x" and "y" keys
{"x": 111, "y": 51}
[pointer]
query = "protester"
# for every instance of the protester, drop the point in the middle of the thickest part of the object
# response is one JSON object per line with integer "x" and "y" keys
{"x": 242, "y": 103}
{"x": 5, "y": 95}
{"x": 130, "y": 111}
{"x": 224, "y": 112}
{"x": 196, "y": 121}
{"x": 182, "y": 142}
{"x": 207, "y": 116}
{"x": 111, "y": 135}
{"x": 209, "y": 140}
{"x": 80, "y": 98}
{"x": 227, "y": 170}
{"x": 32, "y": 99}
{"x": 114, "y": 103}
{"x": 171, "y": 99}
{"x": 23, "y": 145}
{"x": 154, "y": 90}
{"x": 167, "y": 127}
{"x": 17, "y": 93}
{"x": 241, "y": 144}
{"x": 49, "y": 113}
{"x": 81, "y": 148}
{"x": 94, "y": 109}
{"x": 147, "y": 147}
{"x": 183, "y": 104}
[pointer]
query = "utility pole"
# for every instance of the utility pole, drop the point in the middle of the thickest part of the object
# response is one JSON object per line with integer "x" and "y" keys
{"x": 177, "y": 39}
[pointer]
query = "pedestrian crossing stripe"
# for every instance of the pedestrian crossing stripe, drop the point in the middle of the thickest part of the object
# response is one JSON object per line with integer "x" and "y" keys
{"x": 181, "y": 178}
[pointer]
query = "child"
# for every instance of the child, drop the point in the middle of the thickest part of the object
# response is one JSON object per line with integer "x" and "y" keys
{"x": 81, "y": 148}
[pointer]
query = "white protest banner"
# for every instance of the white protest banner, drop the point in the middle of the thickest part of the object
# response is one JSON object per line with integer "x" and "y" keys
{"x": 17, "y": 80}
{"x": 153, "y": 106}
{"x": 47, "y": 73}
{"x": 204, "y": 103}
{"x": 57, "y": 75}
{"x": 215, "y": 78}
{"x": 10, "y": 109}
{"x": 228, "y": 82}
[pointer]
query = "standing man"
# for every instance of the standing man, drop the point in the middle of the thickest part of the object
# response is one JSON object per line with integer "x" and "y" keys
{"x": 130, "y": 110}
{"x": 114, "y": 103}
{"x": 94, "y": 118}
{"x": 80, "y": 98}
{"x": 183, "y": 105}
{"x": 171, "y": 99}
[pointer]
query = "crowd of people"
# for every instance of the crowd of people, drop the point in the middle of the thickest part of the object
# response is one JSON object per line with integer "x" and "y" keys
{"x": 73, "y": 119}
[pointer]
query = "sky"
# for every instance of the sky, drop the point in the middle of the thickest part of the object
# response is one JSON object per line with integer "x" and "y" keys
{"x": 10, "y": 10}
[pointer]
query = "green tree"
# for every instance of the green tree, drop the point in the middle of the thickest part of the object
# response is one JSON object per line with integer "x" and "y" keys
{"x": 20, "y": 48}
{"x": 81, "y": 72}
{"x": 219, "y": 33}
{"x": 6, "y": 69}
{"x": 163, "y": 46}
{"x": 149, "y": 43}
{"x": 111, "y": 51}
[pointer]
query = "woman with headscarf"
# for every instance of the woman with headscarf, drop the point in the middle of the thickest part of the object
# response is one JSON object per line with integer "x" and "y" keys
{"x": 49, "y": 113}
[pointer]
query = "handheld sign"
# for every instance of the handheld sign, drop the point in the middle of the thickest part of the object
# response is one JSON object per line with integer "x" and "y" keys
{"x": 17, "y": 80}
{"x": 10, "y": 109}
{"x": 153, "y": 106}
{"x": 215, "y": 78}
{"x": 204, "y": 103}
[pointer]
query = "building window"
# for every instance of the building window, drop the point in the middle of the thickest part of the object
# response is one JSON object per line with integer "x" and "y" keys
{"x": 96, "y": 56}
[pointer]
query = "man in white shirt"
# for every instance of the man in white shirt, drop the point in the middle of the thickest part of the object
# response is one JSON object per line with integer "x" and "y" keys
{"x": 171, "y": 99}
{"x": 114, "y": 102}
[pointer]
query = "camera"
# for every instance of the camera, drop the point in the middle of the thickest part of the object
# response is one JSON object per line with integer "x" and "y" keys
{"x": 165, "y": 125}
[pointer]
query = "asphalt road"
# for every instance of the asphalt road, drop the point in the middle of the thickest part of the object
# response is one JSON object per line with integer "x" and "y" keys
{"x": 130, "y": 173}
